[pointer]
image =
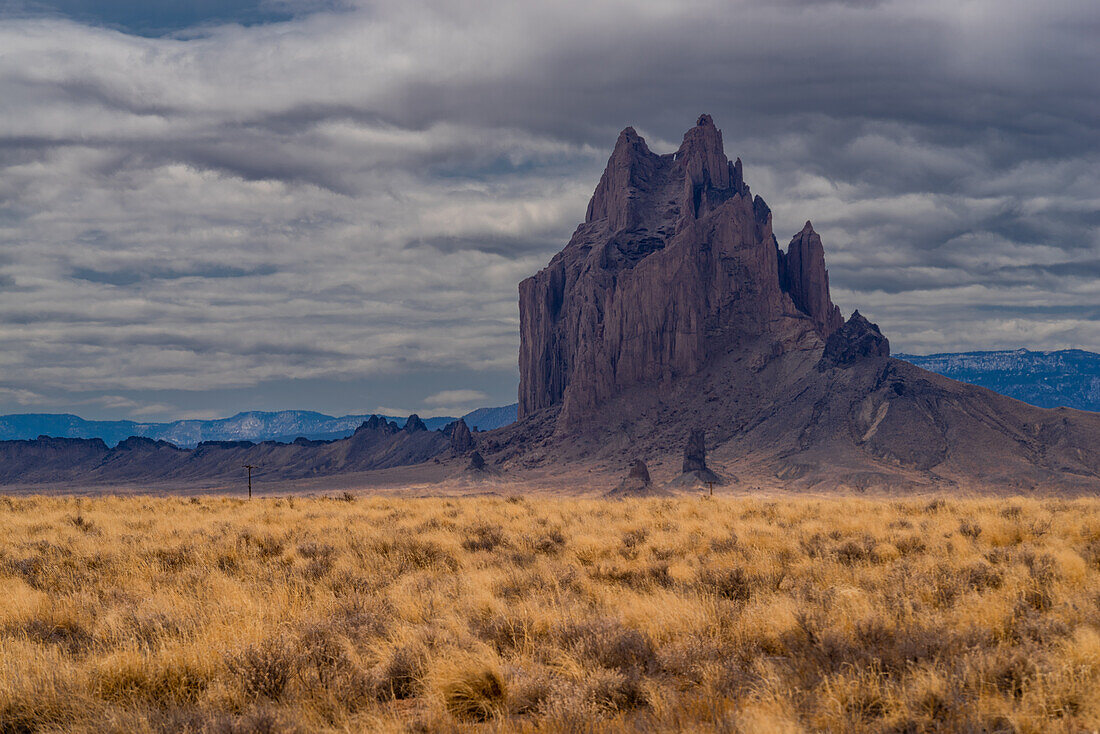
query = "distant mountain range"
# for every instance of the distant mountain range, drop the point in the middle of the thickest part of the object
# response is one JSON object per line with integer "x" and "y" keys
{"x": 1068, "y": 378}
{"x": 486, "y": 419}
{"x": 284, "y": 426}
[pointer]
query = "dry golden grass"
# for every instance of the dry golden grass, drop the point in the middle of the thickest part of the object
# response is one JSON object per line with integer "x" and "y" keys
{"x": 754, "y": 615}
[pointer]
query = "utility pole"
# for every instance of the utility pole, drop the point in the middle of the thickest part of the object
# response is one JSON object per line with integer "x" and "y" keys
{"x": 711, "y": 485}
{"x": 250, "y": 468}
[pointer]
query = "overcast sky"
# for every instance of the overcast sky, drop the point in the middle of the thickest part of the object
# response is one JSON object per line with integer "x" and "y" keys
{"x": 209, "y": 207}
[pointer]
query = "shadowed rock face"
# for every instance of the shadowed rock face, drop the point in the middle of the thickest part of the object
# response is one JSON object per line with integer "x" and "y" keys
{"x": 674, "y": 262}
{"x": 377, "y": 423}
{"x": 462, "y": 441}
{"x": 695, "y": 471}
{"x": 803, "y": 275}
{"x": 857, "y": 339}
{"x": 477, "y": 462}
{"x": 695, "y": 452}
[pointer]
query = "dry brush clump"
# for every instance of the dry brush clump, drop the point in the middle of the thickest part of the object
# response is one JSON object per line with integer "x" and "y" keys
{"x": 376, "y": 614}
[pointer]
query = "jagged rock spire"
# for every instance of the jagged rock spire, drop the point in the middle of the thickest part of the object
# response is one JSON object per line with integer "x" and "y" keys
{"x": 377, "y": 423}
{"x": 462, "y": 441}
{"x": 803, "y": 276}
{"x": 631, "y": 165}
{"x": 703, "y": 157}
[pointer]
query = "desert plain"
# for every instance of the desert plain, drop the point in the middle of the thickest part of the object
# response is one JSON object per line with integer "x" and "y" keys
{"x": 351, "y": 612}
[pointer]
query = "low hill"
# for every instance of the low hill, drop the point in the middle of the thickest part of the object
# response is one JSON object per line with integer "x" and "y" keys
{"x": 283, "y": 426}
{"x": 376, "y": 444}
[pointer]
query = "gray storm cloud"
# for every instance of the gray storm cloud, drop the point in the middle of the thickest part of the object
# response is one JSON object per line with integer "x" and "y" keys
{"x": 357, "y": 193}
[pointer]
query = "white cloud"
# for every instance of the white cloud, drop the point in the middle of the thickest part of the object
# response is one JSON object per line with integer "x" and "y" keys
{"x": 456, "y": 397}
{"x": 20, "y": 397}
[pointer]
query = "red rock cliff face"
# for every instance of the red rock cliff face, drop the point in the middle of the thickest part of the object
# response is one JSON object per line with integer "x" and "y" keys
{"x": 675, "y": 259}
{"x": 803, "y": 275}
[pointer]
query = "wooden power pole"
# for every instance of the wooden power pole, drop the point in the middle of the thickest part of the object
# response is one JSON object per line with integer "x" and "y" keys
{"x": 250, "y": 468}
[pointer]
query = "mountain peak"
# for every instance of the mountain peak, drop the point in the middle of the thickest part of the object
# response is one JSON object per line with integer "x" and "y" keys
{"x": 629, "y": 134}
{"x": 678, "y": 257}
{"x": 702, "y": 155}
{"x": 630, "y": 166}
{"x": 803, "y": 276}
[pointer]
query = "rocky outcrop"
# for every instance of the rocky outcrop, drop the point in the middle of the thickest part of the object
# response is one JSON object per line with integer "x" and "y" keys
{"x": 462, "y": 441}
{"x": 477, "y": 462}
{"x": 675, "y": 261}
{"x": 858, "y": 339}
{"x": 414, "y": 424}
{"x": 378, "y": 424}
{"x": 695, "y": 451}
{"x": 478, "y": 468}
{"x": 637, "y": 483}
{"x": 673, "y": 306}
{"x": 695, "y": 471}
{"x": 142, "y": 443}
{"x": 802, "y": 274}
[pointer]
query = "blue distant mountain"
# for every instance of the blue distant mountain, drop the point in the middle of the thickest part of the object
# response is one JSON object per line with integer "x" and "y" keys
{"x": 1069, "y": 378}
{"x": 256, "y": 426}
{"x": 486, "y": 419}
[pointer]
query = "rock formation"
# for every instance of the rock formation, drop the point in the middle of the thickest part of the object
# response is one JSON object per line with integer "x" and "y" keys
{"x": 802, "y": 274}
{"x": 377, "y": 423}
{"x": 695, "y": 451}
{"x": 675, "y": 262}
{"x": 477, "y": 462}
{"x": 695, "y": 472}
{"x": 376, "y": 444}
{"x": 414, "y": 424}
{"x": 857, "y": 339}
{"x": 477, "y": 468}
{"x": 637, "y": 483}
{"x": 462, "y": 441}
{"x": 673, "y": 306}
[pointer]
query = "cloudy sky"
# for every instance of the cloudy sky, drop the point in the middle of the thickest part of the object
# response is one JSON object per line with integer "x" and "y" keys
{"x": 208, "y": 207}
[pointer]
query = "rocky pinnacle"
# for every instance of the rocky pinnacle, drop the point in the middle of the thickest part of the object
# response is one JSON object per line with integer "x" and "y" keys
{"x": 674, "y": 262}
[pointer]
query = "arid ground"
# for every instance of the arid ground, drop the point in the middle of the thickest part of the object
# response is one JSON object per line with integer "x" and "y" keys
{"x": 524, "y": 614}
